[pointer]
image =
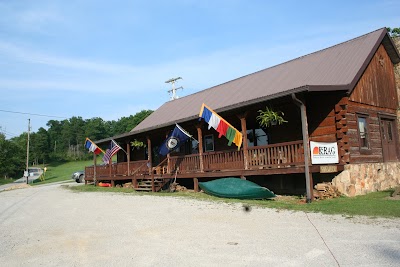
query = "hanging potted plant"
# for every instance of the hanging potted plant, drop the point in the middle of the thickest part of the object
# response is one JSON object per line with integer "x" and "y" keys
{"x": 269, "y": 117}
{"x": 137, "y": 144}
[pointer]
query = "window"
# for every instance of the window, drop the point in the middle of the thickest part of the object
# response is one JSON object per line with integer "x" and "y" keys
{"x": 257, "y": 137}
{"x": 208, "y": 143}
{"x": 191, "y": 147}
{"x": 195, "y": 147}
{"x": 363, "y": 134}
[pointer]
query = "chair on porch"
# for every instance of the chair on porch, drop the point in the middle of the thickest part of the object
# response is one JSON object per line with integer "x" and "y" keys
{"x": 160, "y": 170}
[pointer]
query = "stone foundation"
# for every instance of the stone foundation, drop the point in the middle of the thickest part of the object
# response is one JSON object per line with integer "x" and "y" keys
{"x": 360, "y": 179}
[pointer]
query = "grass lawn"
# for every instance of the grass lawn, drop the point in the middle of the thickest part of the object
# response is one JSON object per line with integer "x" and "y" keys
{"x": 62, "y": 171}
{"x": 375, "y": 204}
{"x": 6, "y": 181}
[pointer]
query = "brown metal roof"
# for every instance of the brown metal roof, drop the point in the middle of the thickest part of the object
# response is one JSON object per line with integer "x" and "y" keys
{"x": 335, "y": 68}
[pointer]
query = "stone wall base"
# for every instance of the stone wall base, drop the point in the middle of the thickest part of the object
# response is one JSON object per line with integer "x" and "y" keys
{"x": 360, "y": 179}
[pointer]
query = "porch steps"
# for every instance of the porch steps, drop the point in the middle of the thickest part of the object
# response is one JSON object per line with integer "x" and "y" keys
{"x": 145, "y": 185}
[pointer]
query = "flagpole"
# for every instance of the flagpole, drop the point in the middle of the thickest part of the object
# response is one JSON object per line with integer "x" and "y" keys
{"x": 188, "y": 134}
{"x": 120, "y": 147}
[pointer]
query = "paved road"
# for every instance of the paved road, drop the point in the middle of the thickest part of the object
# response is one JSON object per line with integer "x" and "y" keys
{"x": 32, "y": 177}
{"x": 51, "y": 226}
{"x": 20, "y": 181}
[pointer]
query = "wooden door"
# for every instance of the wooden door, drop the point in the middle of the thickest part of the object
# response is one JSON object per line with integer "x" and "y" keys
{"x": 389, "y": 139}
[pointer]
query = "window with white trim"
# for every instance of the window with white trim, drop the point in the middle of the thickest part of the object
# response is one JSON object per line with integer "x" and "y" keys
{"x": 363, "y": 134}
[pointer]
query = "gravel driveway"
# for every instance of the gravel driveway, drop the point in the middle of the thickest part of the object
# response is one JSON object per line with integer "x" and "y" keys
{"x": 51, "y": 226}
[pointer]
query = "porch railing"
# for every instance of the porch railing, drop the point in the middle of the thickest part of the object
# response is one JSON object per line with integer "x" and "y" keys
{"x": 276, "y": 155}
{"x": 270, "y": 156}
{"x": 120, "y": 169}
{"x": 185, "y": 164}
{"x": 223, "y": 160}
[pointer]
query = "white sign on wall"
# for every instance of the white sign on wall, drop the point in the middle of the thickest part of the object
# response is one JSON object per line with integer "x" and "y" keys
{"x": 324, "y": 153}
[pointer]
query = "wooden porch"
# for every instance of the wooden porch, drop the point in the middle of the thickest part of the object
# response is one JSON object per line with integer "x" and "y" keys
{"x": 279, "y": 158}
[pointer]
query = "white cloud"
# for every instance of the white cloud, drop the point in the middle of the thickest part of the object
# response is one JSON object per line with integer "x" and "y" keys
{"x": 30, "y": 17}
{"x": 199, "y": 72}
{"x": 12, "y": 51}
{"x": 35, "y": 20}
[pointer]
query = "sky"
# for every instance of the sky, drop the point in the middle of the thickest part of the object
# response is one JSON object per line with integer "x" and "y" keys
{"x": 110, "y": 59}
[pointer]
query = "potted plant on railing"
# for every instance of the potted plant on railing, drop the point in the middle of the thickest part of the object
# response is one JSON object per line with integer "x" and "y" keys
{"x": 269, "y": 117}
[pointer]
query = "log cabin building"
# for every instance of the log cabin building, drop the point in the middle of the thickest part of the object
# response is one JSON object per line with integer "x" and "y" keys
{"x": 343, "y": 96}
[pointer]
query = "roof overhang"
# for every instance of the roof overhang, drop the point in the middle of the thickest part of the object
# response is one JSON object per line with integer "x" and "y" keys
{"x": 305, "y": 88}
{"x": 391, "y": 49}
{"x": 193, "y": 117}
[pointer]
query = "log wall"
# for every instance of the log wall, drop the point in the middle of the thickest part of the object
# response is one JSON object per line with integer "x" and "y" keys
{"x": 374, "y": 153}
{"x": 321, "y": 115}
{"x": 377, "y": 86}
{"x": 397, "y": 78}
{"x": 374, "y": 93}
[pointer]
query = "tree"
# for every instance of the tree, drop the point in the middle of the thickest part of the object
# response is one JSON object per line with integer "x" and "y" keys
{"x": 74, "y": 134}
{"x": 65, "y": 139}
{"x": 395, "y": 32}
{"x": 41, "y": 145}
{"x": 11, "y": 157}
{"x": 96, "y": 129}
{"x": 126, "y": 124}
{"x": 74, "y": 130}
{"x": 54, "y": 135}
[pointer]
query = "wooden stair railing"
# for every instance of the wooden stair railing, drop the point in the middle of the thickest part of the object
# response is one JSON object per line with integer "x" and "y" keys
{"x": 135, "y": 172}
{"x": 161, "y": 168}
{"x": 137, "y": 169}
{"x": 145, "y": 185}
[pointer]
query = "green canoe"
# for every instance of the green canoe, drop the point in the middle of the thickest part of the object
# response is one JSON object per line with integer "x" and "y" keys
{"x": 236, "y": 188}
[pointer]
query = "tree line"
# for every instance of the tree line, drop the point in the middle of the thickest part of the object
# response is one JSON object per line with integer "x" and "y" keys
{"x": 393, "y": 32}
{"x": 63, "y": 140}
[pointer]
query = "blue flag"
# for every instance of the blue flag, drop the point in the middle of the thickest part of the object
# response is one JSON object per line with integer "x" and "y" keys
{"x": 174, "y": 140}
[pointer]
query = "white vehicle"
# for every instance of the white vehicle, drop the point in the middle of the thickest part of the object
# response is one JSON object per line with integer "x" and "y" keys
{"x": 79, "y": 176}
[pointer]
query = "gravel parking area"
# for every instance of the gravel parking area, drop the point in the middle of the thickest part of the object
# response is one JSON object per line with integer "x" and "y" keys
{"x": 51, "y": 226}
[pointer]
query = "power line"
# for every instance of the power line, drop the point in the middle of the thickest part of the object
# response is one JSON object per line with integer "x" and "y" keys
{"x": 8, "y": 135}
{"x": 3, "y": 130}
{"x": 11, "y": 135}
{"x": 33, "y": 114}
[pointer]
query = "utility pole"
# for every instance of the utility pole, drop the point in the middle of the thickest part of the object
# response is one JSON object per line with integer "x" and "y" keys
{"x": 173, "y": 90}
{"x": 27, "y": 152}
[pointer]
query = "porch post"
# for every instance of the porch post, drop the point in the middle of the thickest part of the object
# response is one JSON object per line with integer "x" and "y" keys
{"x": 196, "y": 185}
{"x": 200, "y": 138}
{"x": 94, "y": 169}
{"x": 149, "y": 157}
{"x": 304, "y": 128}
{"x": 244, "y": 133}
{"x": 110, "y": 172}
{"x": 128, "y": 156}
{"x": 134, "y": 179}
{"x": 150, "y": 162}
{"x": 168, "y": 156}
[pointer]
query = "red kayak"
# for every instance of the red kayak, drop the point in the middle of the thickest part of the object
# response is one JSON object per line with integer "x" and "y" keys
{"x": 104, "y": 184}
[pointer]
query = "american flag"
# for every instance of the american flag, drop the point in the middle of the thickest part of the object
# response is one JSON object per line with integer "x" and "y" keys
{"x": 114, "y": 147}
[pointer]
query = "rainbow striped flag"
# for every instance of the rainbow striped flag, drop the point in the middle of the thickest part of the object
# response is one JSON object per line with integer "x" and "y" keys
{"x": 221, "y": 126}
